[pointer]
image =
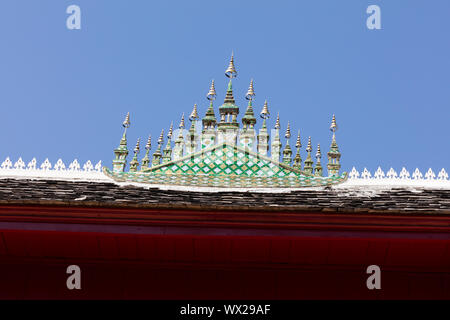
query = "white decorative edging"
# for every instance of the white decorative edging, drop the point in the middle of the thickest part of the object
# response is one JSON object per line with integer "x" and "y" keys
{"x": 89, "y": 172}
{"x": 57, "y": 171}
{"x": 402, "y": 178}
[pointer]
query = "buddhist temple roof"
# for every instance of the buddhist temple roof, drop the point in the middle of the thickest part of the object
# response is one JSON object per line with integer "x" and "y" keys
{"x": 350, "y": 198}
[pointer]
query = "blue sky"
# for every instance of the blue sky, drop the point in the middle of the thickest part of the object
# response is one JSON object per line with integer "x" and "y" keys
{"x": 64, "y": 93}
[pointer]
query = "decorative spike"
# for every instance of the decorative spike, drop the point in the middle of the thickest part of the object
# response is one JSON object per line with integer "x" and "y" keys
{"x": 309, "y": 162}
{"x": 137, "y": 147}
{"x": 182, "y": 122}
{"x": 308, "y": 147}
{"x": 211, "y": 95}
{"x": 135, "y": 163}
{"x": 231, "y": 70}
{"x": 333, "y": 126}
{"x": 169, "y": 135}
{"x": 126, "y": 123}
{"x": 318, "y": 153}
{"x": 277, "y": 123}
{"x": 251, "y": 92}
{"x": 194, "y": 114}
{"x": 265, "y": 111}
{"x": 298, "y": 159}
{"x": 299, "y": 143}
{"x": 161, "y": 137}
{"x": 318, "y": 171}
{"x": 148, "y": 146}
{"x": 333, "y": 155}
{"x": 288, "y": 131}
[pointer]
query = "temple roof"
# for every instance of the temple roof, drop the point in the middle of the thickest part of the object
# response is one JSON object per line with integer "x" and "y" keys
{"x": 343, "y": 198}
{"x": 194, "y": 159}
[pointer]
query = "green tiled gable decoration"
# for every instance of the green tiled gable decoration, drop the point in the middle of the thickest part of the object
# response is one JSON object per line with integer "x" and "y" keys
{"x": 226, "y": 154}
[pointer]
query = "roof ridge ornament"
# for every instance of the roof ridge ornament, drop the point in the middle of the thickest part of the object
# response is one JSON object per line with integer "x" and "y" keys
{"x": 211, "y": 95}
{"x": 250, "y": 92}
{"x": 181, "y": 126}
{"x": 249, "y": 149}
{"x": 231, "y": 70}
{"x": 194, "y": 113}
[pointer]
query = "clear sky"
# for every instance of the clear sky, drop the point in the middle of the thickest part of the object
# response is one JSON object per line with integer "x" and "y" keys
{"x": 64, "y": 93}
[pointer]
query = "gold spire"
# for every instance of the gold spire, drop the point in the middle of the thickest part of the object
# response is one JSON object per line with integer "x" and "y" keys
{"x": 318, "y": 153}
{"x": 169, "y": 135}
{"x": 194, "y": 114}
{"x": 136, "y": 148}
{"x": 288, "y": 131}
{"x": 251, "y": 92}
{"x": 161, "y": 137}
{"x": 333, "y": 126}
{"x": 148, "y": 146}
{"x": 182, "y": 122}
{"x": 308, "y": 147}
{"x": 265, "y": 111}
{"x": 277, "y": 123}
{"x": 212, "y": 92}
{"x": 231, "y": 70}
{"x": 126, "y": 123}
{"x": 299, "y": 143}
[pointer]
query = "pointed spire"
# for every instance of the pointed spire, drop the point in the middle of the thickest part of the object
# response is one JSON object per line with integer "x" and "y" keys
{"x": 309, "y": 162}
{"x": 157, "y": 154}
{"x": 277, "y": 123}
{"x": 297, "y": 159}
{"x": 145, "y": 159}
{"x": 249, "y": 120}
{"x": 211, "y": 95}
{"x": 308, "y": 147}
{"x": 121, "y": 151}
{"x": 194, "y": 113}
{"x": 161, "y": 138}
{"x": 182, "y": 122}
{"x": 251, "y": 92}
{"x": 135, "y": 163}
{"x": 265, "y": 114}
{"x": 288, "y": 132}
{"x": 334, "y": 155}
{"x": 167, "y": 153}
{"x": 318, "y": 153}
{"x": 137, "y": 147}
{"x": 299, "y": 143}
{"x": 333, "y": 126}
{"x": 231, "y": 70}
{"x": 148, "y": 146}
{"x": 126, "y": 123}
{"x": 287, "y": 152}
{"x": 318, "y": 171}
{"x": 169, "y": 135}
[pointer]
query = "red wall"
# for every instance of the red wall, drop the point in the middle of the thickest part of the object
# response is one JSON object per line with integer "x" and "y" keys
{"x": 187, "y": 266}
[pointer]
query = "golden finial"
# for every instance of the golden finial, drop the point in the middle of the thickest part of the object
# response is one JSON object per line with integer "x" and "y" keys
{"x": 169, "y": 135}
{"x": 308, "y": 147}
{"x": 265, "y": 111}
{"x": 212, "y": 92}
{"x": 333, "y": 126}
{"x": 231, "y": 70}
{"x": 288, "y": 131}
{"x": 251, "y": 92}
{"x": 299, "y": 143}
{"x": 136, "y": 149}
{"x": 148, "y": 146}
{"x": 194, "y": 114}
{"x": 161, "y": 137}
{"x": 182, "y": 122}
{"x": 277, "y": 123}
{"x": 318, "y": 153}
{"x": 126, "y": 123}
